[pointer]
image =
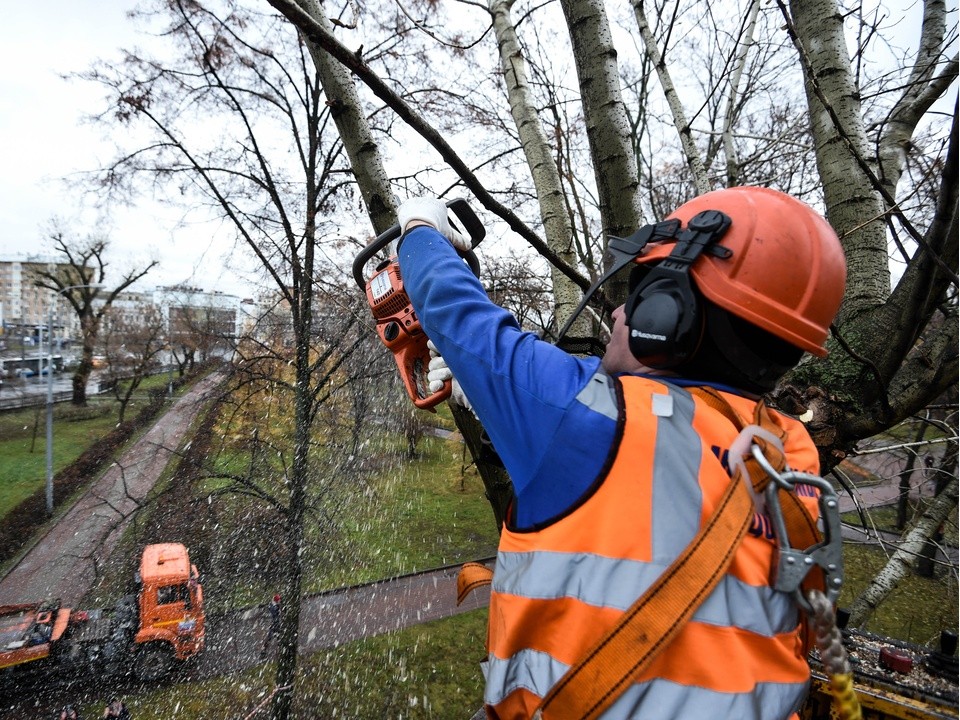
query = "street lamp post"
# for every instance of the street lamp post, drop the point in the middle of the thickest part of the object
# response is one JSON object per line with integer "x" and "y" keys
{"x": 170, "y": 375}
{"x": 50, "y": 391}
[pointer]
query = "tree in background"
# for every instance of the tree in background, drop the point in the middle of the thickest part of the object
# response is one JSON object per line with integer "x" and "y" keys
{"x": 133, "y": 341}
{"x": 198, "y": 333}
{"x": 81, "y": 281}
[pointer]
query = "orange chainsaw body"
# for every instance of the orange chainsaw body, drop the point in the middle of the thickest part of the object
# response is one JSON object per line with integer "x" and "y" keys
{"x": 400, "y": 331}
{"x": 397, "y": 323}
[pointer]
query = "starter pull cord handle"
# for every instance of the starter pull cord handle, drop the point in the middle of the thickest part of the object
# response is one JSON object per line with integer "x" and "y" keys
{"x": 464, "y": 213}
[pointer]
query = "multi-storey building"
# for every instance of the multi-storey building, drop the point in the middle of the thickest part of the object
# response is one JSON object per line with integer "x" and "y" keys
{"x": 26, "y": 308}
{"x": 190, "y": 311}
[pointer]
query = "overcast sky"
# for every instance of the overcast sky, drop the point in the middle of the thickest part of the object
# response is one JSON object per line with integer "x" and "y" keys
{"x": 43, "y": 139}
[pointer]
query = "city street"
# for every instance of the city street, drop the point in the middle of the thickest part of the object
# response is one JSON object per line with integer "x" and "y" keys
{"x": 21, "y": 392}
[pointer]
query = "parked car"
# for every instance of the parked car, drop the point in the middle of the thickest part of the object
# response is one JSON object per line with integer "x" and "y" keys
{"x": 29, "y": 372}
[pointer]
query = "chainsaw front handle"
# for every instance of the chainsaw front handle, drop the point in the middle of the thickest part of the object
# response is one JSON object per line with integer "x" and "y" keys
{"x": 464, "y": 213}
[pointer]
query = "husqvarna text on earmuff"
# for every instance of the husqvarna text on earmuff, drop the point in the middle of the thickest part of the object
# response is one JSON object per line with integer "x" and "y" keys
{"x": 662, "y": 311}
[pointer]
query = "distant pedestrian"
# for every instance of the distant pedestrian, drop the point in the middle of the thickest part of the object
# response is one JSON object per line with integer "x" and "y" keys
{"x": 116, "y": 709}
{"x": 69, "y": 712}
{"x": 274, "y": 609}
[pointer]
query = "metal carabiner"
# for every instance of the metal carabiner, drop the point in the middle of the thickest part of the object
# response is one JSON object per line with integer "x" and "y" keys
{"x": 793, "y": 564}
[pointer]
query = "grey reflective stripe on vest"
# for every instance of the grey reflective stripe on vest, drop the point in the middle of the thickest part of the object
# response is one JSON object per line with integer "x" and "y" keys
{"x": 599, "y": 395}
{"x": 677, "y": 498}
{"x": 654, "y": 700}
{"x": 617, "y": 583}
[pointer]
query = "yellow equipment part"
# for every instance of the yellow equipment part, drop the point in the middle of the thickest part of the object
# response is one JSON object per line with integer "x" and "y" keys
{"x": 875, "y": 704}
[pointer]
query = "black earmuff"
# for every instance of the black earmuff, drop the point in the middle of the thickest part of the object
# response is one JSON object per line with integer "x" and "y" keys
{"x": 663, "y": 312}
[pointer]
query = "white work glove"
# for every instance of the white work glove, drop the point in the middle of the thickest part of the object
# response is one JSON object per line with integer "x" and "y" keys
{"x": 434, "y": 213}
{"x": 438, "y": 373}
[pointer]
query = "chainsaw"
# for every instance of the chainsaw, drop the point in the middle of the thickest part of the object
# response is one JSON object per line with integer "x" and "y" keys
{"x": 397, "y": 324}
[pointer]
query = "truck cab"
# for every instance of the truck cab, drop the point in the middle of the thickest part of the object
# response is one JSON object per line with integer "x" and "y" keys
{"x": 170, "y": 602}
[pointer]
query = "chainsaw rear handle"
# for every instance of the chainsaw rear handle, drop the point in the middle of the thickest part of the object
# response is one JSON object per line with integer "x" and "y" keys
{"x": 465, "y": 214}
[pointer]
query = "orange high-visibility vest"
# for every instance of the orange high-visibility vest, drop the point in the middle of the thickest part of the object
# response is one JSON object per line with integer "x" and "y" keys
{"x": 558, "y": 589}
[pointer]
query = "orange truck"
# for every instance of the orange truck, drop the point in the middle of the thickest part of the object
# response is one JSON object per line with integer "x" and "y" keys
{"x": 146, "y": 633}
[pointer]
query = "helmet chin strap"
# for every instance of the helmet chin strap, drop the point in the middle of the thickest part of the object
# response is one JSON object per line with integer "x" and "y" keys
{"x": 624, "y": 251}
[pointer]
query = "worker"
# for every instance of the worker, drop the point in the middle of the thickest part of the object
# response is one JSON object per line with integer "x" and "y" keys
{"x": 69, "y": 712}
{"x": 40, "y": 633}
{"x": 273, "y": 608}
{"x": 117, "y": 709}
{"x": 615, "y": 463}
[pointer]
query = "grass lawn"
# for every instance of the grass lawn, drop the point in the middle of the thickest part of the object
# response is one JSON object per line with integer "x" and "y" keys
{"x": 426, "y": 515}
{"x": 428, "y": 672}
{"x": 23, "y": 465}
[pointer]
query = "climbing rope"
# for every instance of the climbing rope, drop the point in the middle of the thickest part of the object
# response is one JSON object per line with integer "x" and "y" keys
{"x": 833, "y": 655}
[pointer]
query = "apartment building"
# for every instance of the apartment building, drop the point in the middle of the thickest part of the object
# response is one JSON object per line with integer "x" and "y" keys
{"x": 24, "y": 307}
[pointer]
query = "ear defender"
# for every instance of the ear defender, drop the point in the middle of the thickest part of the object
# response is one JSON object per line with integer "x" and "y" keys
{"x": 663, "y": 311}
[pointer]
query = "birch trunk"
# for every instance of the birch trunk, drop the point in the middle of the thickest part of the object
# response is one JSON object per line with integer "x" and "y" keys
{"x": 923, "y": 87}
{"x": 733, "y": 92}
{"x": 852, "y": 203}
{"x": 689, "y": 147}
{"x": 358, "y": 141}
{"x": 902, "y": 561}
{"x": 608, "y": 128}
{"x": 539, "y": 156}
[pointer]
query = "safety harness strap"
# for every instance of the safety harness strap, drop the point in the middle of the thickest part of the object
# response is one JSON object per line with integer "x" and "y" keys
{"x": 591, "y": 685}
{"x": 472, "y": 575}
{"x": 801, "y": 526}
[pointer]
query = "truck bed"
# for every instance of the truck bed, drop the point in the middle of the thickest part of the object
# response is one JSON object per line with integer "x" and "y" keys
{"x": 15, "y": 620}
{"x": 27, "y": 631}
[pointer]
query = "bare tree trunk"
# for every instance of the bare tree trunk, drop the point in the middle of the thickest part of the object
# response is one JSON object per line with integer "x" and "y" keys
{"x": 289, "y": 641}
{"x": 608, "y": 127}
{"x": 690, "y": 152}
{"x": 543, "y": 169}
{"x": 921, "y": 90}
{"x": 903, "y": 559}
{"x": 362, "y": 149}
{"x": 947, "y": 469}
{"x": 89, "y": 332}
{"x": 733, "y": 95}
{"x": 906, "y": 475}
{"x": 853, "y": 206}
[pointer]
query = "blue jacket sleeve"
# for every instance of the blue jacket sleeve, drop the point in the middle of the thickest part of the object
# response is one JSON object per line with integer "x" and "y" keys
{"x": 522, "y": 389}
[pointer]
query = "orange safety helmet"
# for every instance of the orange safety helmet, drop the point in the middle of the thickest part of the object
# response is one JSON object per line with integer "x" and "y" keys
{"x": 786, "y": 273}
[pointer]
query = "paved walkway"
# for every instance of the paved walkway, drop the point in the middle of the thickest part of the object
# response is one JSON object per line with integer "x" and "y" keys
{"x": 234, "y": 640}
{"x": 63, "y": 562}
